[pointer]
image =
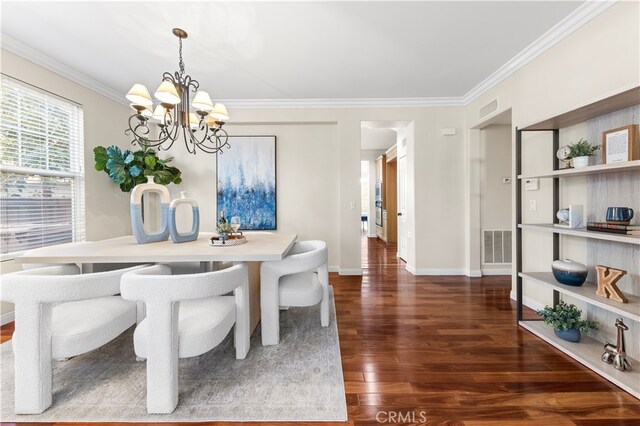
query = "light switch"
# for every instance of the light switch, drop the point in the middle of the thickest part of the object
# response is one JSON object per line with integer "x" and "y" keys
{"x": 353, "y": 205}
{"x": 533, "y": 205}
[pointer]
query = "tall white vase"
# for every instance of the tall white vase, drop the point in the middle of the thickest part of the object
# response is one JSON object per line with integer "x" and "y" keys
{"x": 137, "y": 225}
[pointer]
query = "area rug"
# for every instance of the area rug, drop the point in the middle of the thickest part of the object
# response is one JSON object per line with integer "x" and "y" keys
{"x": 298, "y": 380}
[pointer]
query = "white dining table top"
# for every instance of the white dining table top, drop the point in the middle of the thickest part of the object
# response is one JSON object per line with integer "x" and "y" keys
{"x": 260, "y": 246}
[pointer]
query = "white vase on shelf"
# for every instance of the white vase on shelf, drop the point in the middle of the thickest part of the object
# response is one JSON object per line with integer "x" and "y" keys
{"x": 579, "y": 162}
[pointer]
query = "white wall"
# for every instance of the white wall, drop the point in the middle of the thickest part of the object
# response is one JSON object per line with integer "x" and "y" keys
{"x": 370, "y": 156}
{"x": 104, "y": 124}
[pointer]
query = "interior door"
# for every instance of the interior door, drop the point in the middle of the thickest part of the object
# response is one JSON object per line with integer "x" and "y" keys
{"x": 402, "y": 208}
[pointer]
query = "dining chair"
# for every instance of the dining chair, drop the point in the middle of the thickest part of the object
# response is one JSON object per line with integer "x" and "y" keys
{"x": 300, "y": 279}
{"x": 186, "y": 316}
{"x": 60, "y": 313}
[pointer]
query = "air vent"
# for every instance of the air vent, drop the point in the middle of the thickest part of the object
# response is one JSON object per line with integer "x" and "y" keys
{"x": 496, "y": 246}
{"x": 488, "y": 109}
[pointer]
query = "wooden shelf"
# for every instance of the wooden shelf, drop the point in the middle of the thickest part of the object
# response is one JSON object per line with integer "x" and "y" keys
{"x": 600, "y": 107}
{"x": 587, "y": 292}
{"x": 628, "y": 166}
{"x": 583, "y": 232}
{"x": 588, "y": 353}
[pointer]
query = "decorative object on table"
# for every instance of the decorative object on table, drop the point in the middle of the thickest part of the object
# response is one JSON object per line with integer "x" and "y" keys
{"x": 567, "y": 321}
{"x": 563, "y": 154}
{"x": 616, "y": 355}
{"x": 128, "y": 169}
{"x": 619, "y": 215}
{"x": 137, "y": 223}
{"x": 192, "y": 235}
{"x": 172, "y": 118}
{"x": 569, "y": 272}
{"x": 621, "y": 144}
{"x": 607, "y": 279}
{"x": 228, "y": 240}
{"x": 614, "y": 228}
{"x": 570, "y": 217}
{"x": 247, "y": 181}
{"x": 580, "y": 151}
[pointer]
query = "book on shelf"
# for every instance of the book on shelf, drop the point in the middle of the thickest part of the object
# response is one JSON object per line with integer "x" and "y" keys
{"x": 606, "y": 225}
{"x": 613, "y": 231}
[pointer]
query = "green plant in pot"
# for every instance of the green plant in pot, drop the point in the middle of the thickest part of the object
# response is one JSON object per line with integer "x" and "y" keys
{"x": 567, "y": 322}
{"x": 128, "y": 169}
{"x": 580, "y": 152}
{"x": 224, "y": 230}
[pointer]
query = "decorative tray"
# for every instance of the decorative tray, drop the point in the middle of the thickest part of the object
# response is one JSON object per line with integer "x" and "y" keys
{"x": 231, "y": 240}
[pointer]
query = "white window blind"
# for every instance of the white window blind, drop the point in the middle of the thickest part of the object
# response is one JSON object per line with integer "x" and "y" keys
{"x": 41, "y": 169}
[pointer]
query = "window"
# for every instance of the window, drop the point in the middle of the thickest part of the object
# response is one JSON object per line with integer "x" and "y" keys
{"x": 41, "y": 169}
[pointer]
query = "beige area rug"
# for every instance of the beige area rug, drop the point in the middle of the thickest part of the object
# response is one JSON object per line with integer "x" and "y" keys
{"x": 298, "y": 380}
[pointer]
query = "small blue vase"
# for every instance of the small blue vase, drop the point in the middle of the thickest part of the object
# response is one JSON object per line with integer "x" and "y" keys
{"x": 571, "y": 335}
{"x": 569, "y": 272}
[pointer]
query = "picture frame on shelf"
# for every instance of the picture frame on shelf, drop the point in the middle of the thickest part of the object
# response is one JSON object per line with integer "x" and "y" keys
{"x": 620, "y": 144}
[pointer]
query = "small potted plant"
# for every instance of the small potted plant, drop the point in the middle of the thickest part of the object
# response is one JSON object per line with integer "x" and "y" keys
{"x": 580, "y": 152}
{"x": 567, "y": 321}
{"x": 224, "y": 230}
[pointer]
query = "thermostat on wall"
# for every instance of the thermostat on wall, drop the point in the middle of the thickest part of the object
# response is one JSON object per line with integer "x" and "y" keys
{"x": 532, "y": 184}
{"x": 451, "y": 131}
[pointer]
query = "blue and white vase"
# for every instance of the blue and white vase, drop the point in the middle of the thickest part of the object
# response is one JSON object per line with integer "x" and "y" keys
{"x": 137, "y": 223}
{"x": 569, "y": 272}
{"x": 192, "y": 235}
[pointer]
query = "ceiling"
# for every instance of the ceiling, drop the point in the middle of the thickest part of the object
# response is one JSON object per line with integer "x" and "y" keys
{"x": 286, "y": 50}
{"x": 377, "y": 138}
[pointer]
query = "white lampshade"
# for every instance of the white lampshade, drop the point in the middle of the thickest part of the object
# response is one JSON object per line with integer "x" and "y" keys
{"x": 219, "y": 112}
{"x": 158, "y": 113}
{"x": 193, "y": 120}
{"x": 167, "y": 93}
{"x": 147, "y": 112}
{"x": 202, "y": 101}
{"x": 139, "y": 95}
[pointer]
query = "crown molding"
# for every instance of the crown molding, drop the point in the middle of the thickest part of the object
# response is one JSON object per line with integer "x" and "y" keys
{"x": 580, "y": 16}
{"x": 576, "y": 19}
{"x": 27, "y": 52}
{"x": 345, "y": 102}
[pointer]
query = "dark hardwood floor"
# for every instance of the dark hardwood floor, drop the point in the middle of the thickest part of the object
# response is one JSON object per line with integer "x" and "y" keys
{"x": 446, "y": 350}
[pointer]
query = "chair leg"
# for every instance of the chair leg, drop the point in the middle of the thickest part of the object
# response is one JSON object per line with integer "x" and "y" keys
{"x": 162, "y": 359}
{"x": 269, "y": 306}
{"x": 324, "y": 307}
{"x": 140, "y": 314}
{"x": 32, "y": 350}
{"x": 241, "y": 330}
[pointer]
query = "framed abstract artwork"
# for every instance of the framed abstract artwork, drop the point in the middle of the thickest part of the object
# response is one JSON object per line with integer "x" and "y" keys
{"x": 246, "y": 176}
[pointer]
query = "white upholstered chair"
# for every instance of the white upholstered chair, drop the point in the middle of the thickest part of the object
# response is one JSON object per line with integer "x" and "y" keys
{"x": 187, "y": 315}
{"x": 300, "y": 279}
{"x": 60, "y": 313}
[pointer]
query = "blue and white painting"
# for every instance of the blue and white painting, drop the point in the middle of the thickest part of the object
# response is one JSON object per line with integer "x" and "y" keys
{"x": 247, "y": 182}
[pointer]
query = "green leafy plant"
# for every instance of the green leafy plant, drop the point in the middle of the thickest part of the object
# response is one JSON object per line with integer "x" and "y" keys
{"x": 128, "y": 169}
{"x": 582, "y": 148}
{"x": 566, "y": 317}
{"x": 225, "y": 228}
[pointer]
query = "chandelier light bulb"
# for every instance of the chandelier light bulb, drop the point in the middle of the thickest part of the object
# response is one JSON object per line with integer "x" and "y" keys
{"x": 193, "y": 120}
{"x": 219, "y": 112}
{"x": 167, "y": 93}
{"x": 139, "y": 95}
{"x": 202, "y": 101}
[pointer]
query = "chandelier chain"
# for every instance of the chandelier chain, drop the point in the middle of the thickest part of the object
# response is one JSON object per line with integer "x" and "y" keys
{"x": 181, "y": 63}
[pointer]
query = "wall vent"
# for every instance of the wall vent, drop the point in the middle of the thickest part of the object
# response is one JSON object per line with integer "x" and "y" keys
{"x": 496, "y": 246}
{"x": 488, "y": 109}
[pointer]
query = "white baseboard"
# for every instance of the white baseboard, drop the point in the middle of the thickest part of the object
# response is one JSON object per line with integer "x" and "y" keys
{"x": 435, "y": 271}
{"x": 357, "y": 271}
{"x": 334, "y": 268}
{"x": 529, "y": 302}
{"x": 496, "y": 271}
{"x": 473, "y": 273}
{"x": 7, "y": 318}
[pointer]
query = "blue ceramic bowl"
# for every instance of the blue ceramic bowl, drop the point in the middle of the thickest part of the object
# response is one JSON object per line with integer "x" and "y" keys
{"x": 569, "y": 272}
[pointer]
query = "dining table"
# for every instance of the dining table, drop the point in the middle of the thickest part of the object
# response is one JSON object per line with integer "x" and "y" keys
{"x": 260, "y": 246}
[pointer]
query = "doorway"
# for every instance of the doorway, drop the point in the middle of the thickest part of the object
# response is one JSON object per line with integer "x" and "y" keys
{"x": 496, "y": 195}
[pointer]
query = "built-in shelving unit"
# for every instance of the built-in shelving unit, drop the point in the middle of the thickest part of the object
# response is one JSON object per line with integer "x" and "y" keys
{"x": 629, "y": 166}
{"x": 587, "y": 293}
{"x": 588, "y": 351}
{"x": 581, "y": 232}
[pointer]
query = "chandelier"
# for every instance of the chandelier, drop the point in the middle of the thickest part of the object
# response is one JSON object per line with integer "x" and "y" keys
{"x": 172, "y": 118}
